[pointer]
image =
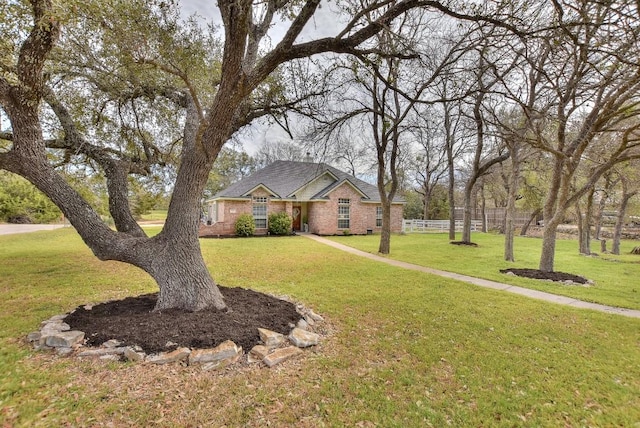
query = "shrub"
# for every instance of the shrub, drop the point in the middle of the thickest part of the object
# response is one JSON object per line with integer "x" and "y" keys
{"x": 279, "y": 224}
{"x": 245, "y": 225}
{"x": 21, "y": 202}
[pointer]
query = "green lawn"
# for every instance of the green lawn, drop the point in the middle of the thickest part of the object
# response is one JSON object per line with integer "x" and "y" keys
{"x": 615, "y": 277}
{"x": 408, "y": 349}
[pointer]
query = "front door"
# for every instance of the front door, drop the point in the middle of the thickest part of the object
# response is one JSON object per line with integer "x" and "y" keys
{"x": 297, "y": 217}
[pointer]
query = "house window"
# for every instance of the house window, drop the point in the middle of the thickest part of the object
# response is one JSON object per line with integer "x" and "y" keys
{"x": 213, "y": 213}
{"x": 260, "y": 211}
{"x": 378, "y": 216}
{"x": 343, "y": 213}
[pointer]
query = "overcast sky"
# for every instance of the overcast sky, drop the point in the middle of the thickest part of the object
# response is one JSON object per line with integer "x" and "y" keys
{"x": 325, "y": 23}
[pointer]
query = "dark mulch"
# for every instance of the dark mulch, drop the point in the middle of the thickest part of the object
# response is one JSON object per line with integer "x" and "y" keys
{"x": 467, "y": 243}
{"x": 553, "y": 276}
{"x": 133, "y": 322}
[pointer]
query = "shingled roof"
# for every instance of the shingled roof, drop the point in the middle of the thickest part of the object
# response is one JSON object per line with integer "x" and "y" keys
{"x": 284, "y": 178}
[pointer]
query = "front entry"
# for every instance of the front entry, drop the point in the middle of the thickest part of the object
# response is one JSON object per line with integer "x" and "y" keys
{"x": 297, "y": 217}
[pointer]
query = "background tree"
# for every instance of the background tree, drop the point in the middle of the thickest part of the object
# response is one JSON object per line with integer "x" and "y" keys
{"x": 584, "y": 87}
{"x": 231, "y": 166}
{"x": 629, "y": 177}
{"x": 144, "y": 52}
{"x": 20, "y": 202}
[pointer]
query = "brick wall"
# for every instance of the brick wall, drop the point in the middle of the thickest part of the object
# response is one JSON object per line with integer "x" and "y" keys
{"x": 323, "y": 216}
{"x": 229, "y": 211}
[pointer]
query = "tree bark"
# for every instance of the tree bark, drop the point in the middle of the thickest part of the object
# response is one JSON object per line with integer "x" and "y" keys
{"x": 617, "y": 231}
{"x": 466, "y": 216}
{"x": 509, "y": 227}
{"x": 451, "y": 173}
{"x": 584, "y": 224}
{"x": 179, "y": 269}
{"x": 547, "y": 256}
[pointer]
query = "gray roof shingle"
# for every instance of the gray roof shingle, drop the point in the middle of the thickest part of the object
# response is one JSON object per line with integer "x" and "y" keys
{"x": 285, "y": 177}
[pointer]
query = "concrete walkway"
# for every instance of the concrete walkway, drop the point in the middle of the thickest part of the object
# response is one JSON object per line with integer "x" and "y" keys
{"x": 10, "y": 229}
{"x": 534, "y": 294}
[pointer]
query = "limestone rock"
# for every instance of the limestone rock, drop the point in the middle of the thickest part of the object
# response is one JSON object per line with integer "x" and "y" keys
{"x": 53, "y": 319}
{"x": 227, "y": 350}
{"x": 314, "y": 316}
{"x": 222, "y": 363}
{"x": 131, "y": 354}
{"x": 270, "y": 338}
{"x": 34, "y": 336}
{"x": 64, "y": 351}
{"x": 100, "y": 352}
{"x": 55, "y": 327}
{"x": 257, "y": 353}
{"x": 280, "y": 355}
{"x": 113, "y": 343}
{"x": 169, "y": 357}
{"x": 302, "y": 324}
{"x": 64, "y": 339}
{"x": 302, "y": 338}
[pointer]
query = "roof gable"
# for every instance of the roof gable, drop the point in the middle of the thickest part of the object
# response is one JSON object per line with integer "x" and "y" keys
{"x": 260, "y": 186}
{"x": 334, "y": 186}
{"x": 315, "y": 185}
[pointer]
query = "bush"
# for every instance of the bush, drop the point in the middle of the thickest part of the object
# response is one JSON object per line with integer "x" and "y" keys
{"x": 245, "y": 225}
{"x": 21, "y": 202}
{"x": 279, "y": 224}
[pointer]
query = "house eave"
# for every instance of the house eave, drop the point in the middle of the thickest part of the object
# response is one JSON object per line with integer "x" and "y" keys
{"x": 259, "y": 186}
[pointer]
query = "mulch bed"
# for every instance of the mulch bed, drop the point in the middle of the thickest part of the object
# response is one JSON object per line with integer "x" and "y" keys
{"x": 552, "y": 276}
{"x": 133, "y": 322}
{"x": 466, "y": 243}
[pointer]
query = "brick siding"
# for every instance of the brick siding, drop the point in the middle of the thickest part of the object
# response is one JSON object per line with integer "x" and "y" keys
{"x": 322, "y": 215}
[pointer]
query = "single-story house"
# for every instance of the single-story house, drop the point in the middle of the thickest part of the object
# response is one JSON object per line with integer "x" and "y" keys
{"x": 319, "y": 198}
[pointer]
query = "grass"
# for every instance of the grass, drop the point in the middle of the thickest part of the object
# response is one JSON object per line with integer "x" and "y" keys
{"x": 408, "y": 349}
{"x": 614, "y": 276}
{"x": 154, "y": 215}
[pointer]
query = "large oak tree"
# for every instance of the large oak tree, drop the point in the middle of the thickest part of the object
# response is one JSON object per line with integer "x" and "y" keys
{"x": 172, "y": 257}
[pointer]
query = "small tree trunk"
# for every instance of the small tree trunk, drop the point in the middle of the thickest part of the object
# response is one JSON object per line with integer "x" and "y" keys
{"x": 617, "y": 232}
{"x": 483, "y": 208}
{"x": 509, "y": 228}
{"x": 532, "y": 217}
{"x": 603, "y": 246}
{"x": 582, "y": 239}
{"x": 385, "y": 232}
{"x": 584, "y": 224}
{"x": 598, "y": 218}
{"x": 466, "y": 218}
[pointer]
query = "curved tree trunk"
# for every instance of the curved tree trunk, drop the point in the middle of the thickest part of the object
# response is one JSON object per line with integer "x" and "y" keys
{"x": 532, "y": 217}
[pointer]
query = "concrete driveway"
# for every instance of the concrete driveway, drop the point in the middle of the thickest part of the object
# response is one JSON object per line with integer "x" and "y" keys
{"x": 8, "y": 229}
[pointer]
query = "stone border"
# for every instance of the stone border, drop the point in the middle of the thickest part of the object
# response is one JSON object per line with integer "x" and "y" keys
{"x": 56, "y": 335}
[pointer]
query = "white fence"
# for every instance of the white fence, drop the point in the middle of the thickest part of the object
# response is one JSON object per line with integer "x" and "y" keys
{"x": 422, "y": 226}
